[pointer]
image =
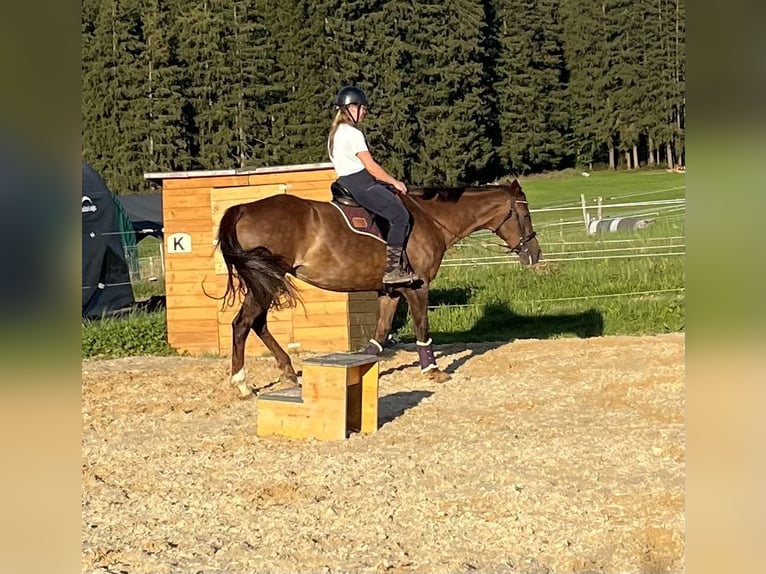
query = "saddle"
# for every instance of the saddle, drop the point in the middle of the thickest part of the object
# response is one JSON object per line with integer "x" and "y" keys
{"x": 357, "y": 217}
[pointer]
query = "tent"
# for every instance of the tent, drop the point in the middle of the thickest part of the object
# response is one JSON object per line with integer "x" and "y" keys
{"x": 145, "y": 214}
{"x": 106, "y": 287}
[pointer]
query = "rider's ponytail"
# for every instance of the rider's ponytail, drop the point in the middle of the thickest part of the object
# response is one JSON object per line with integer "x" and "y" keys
{"x": 340, "y": 118}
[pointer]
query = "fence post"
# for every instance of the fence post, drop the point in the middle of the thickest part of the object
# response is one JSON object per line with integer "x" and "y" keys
{"x": 584, "y": 212}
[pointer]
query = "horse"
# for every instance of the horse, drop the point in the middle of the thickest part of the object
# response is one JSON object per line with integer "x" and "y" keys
{"x": 266, "y": 241}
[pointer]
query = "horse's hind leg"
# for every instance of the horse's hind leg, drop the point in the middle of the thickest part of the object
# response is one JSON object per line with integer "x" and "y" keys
{"x": 240, "y": 327}
{"x": 386, "y": 309}
{"x": 253, "y": 316}
{"x": 283, "y": 359}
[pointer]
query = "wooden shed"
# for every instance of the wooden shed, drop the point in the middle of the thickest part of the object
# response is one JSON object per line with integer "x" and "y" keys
{"x": 193, "y": 204}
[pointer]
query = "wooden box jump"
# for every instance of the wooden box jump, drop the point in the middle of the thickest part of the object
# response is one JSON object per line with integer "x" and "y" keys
{"x": 339, "y": 395}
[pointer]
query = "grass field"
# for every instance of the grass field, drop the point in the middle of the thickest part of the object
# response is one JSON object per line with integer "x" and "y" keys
{"x": 628, "y": 282}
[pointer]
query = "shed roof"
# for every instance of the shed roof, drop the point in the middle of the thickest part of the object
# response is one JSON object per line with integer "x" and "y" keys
{"x": 158, "y": 177}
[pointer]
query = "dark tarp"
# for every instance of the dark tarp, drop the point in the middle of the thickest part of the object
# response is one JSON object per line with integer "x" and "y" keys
{"x": 106, "y": 287}
{"x": 145, "y": 212}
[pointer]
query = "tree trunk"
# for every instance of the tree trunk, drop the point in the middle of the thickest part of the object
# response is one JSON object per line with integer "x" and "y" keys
{"x": 612, "y": 164}
{"x": 635, "y": 156}
{"x": 650, "y": 160}
{"x": 670, "y": 156}
{"x": 627, "y": 159}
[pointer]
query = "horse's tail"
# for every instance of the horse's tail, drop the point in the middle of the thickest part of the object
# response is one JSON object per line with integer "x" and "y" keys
{"x": 260, "y": 272}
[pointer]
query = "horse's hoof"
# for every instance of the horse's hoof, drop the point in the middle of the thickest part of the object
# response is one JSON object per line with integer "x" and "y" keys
{"x": 291, "y": 380}
{"x": 245, "y": 392}
{"x": 438, "y": 376}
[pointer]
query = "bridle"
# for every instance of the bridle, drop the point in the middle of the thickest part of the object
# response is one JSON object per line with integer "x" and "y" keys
{"x": 521, "y": 246}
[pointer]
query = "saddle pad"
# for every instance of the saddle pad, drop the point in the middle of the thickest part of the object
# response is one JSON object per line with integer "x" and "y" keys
{"x": 359, "y": 220}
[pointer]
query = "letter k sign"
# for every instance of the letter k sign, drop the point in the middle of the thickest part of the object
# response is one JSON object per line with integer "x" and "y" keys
{"x": 179, "y": 243}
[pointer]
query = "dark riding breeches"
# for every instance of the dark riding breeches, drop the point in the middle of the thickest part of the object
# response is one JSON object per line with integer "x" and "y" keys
{"x": 381, "y": 201}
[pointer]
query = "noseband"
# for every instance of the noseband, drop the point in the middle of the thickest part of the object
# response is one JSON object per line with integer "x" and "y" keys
{"x": 521, "y": 245}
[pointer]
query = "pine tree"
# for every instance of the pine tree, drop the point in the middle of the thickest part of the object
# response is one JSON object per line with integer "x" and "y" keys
{"x": 165, "y": 146}
{"x": 587, "y": 37}
{"x": 531, "y": 86}
{"x": 113, "y": 106}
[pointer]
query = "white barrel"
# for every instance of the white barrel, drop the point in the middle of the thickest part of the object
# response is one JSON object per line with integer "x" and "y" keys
{"x": 618, "y": 224}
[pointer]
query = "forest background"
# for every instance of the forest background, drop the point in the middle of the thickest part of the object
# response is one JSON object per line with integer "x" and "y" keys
{"x": 461, "y": 91}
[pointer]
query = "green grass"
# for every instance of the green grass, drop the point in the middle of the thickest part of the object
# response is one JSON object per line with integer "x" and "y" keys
{"x": 136, "y": 334}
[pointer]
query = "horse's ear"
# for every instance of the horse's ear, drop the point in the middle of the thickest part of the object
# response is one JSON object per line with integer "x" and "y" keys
{"x": 515, "y": 185}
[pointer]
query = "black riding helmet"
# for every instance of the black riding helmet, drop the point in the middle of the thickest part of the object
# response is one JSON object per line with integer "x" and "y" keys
{"x": 350, "y": 95}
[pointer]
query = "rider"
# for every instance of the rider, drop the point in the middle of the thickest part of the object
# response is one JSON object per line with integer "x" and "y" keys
{"x": 360, "y": 175}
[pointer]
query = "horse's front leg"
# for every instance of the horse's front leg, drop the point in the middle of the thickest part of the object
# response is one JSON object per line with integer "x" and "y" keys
{"x": 386, "y": 309}
{"x": 418, "y": 302}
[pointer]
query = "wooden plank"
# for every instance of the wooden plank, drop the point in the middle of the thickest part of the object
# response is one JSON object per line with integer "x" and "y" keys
{"x": 214, "y": 181}
{"x": 195, "y": 277}
{"x": 186, "y": 213}
{"x": 196, "y": 349}
{"x": 177, "y": 314}
{"x": 192, "y": 197}
{"x": 189, "y": 262}
{"x": 321, "y": 307}
{"x": 306, "y": 334}
{"x": 194, "y": 289}
{"x": 198, "y": 299}
{"x": 356, "y": 319}
{"x": 319, "y": 189}
{"x": 363, "y": 296}
{"x": 204, "y": 225}
{"x": 295, "y": 176}
{"x": 244, "y": 194}
{"x": 202, "y": 329}
{"x": 321, "y": 320}
{"x": 311, "y": 294}
{"x": 362, "y": 307}
{"x": 369, "y": 406}
{"x": 282, "y": 418}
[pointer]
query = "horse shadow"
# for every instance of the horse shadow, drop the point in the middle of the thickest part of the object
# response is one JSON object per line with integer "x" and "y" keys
{"x": 498, "y": 326}
{"x": 394, "y": 405}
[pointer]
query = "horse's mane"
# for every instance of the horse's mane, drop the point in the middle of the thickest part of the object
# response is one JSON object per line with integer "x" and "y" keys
{"x": 453, "y": 194}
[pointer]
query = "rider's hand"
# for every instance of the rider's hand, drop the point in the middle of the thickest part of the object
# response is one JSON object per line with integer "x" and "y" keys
{"x": 400, "y": 187}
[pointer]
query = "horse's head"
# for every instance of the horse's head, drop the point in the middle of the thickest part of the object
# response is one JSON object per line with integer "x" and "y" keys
{"x": 516, "y": 228}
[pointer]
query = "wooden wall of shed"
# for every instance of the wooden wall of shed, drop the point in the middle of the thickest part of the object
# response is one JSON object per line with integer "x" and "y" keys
{"x": 325, "y": 321}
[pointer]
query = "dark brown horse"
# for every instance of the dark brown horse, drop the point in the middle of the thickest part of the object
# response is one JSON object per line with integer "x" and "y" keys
{"x": 266, "y": 240}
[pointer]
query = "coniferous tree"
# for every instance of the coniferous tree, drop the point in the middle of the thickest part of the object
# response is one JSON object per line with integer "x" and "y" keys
{"x": 114, "y": 108}
{"x": 164, "y": 149}
{"x": 531, "y": 87}
{"x": 205, "y": 48}
{"x": 587, "y": 38}
{"x": 455, "y": 87}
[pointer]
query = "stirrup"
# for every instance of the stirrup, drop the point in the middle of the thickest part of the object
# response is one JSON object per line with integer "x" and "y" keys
{"x": 402, "y": 278}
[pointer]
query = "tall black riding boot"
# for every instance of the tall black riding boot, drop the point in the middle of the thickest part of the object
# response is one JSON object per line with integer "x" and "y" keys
{"x": 394, "y": 274}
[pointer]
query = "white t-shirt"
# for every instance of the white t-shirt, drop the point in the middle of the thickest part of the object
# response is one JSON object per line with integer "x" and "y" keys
{"x": 349, "y": 141}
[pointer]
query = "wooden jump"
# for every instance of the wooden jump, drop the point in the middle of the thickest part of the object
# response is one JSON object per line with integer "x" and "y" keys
{"x": 339, "y": 396}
